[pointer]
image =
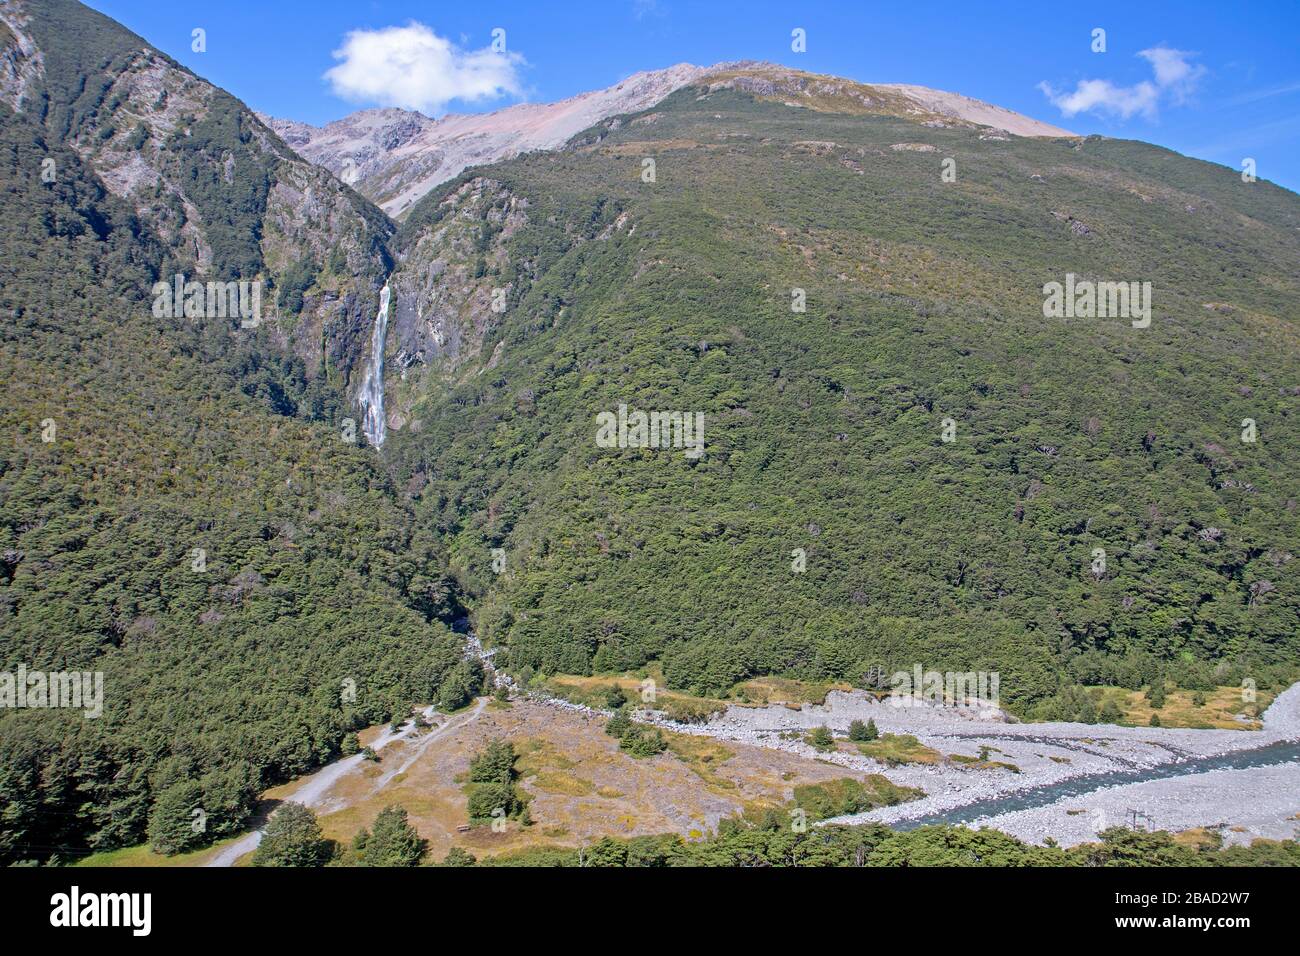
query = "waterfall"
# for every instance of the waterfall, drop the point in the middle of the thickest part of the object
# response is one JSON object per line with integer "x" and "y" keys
{"x": 371, "y": 396}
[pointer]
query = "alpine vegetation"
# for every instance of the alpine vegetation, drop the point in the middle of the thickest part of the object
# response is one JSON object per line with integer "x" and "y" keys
{"x": 1087, "y": 299}
{"x": 179, "y": 299}
{"x": 637, "y": 429}
{"x": 457, "y": 487}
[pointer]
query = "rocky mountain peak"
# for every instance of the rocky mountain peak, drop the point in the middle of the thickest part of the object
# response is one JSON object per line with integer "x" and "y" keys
{"x": 394, "y": 156}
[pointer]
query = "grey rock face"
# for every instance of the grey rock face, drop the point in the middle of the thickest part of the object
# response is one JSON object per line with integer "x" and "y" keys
{"x": 395, "y": 156}
{"x": 306, "y": 214}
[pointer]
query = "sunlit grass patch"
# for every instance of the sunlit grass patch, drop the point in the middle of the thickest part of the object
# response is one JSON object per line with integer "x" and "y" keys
{"x": 850, "y": 795}
{"x": 561, "y": 783}
{"x": 894, "y": 749}
{"x": 595, "y": 691}
{"x": 1199, "y": 838}
{"x": 143, "y": 855}
{"x": 783, "y": 690}
{"x": 542, "y": 767}
{"x": 703, "y": 755}
{"x": 1202, "y": 710}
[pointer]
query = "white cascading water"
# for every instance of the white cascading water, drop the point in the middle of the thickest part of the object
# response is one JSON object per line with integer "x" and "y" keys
{"x": 371, "y": 396}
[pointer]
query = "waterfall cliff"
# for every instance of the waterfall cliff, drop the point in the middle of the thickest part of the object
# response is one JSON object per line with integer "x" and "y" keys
{"x": 371, "y": 396}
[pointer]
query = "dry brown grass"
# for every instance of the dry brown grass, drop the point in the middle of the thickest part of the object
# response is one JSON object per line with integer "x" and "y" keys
{"x": 1218, "y": 712}
{"x": 580, "y": 785}
{"x": 781, "y": 690}
{"x": 703, "y": 755}
{"x": 1198, "y": 838}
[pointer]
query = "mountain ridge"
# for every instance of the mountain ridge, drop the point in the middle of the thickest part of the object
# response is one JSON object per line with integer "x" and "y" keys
{"x": 395, "y": 156}
{"x": 181, "y": 507}
{"x": 924, "y": 304}
{"x": 906, "y": 458}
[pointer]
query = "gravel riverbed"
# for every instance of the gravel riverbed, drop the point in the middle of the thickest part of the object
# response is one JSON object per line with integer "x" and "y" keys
{"x": 1242, "y": 804}
{"x": 1045, "y": 754}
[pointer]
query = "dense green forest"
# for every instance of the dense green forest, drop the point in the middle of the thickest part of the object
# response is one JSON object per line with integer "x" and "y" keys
{"x": 825, "y": 428}
{"x": 217, "y": 185}
{"x": 171, "y": 438}
{"x": 768, "y": 840}
{"x": 181, "y": 508}
{"x": 765, "y": 838}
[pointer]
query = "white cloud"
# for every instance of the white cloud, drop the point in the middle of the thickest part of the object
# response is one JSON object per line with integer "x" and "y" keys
{"x": 1174, "y": 74}
{"x": 1103, "y": 96}
{"x": 1175, "y": 79}
{"x": 414, "y": 68}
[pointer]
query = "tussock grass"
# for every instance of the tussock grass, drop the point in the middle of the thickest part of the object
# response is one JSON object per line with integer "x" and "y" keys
{"x": 894, "y": 749}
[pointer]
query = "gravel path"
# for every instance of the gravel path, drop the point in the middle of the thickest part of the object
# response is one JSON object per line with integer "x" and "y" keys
{"x": 314, "y": 791}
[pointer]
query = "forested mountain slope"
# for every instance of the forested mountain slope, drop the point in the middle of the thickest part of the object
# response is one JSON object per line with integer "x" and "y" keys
{"x": 180, "y": 507}
{"x": 178, "y": 512}
{"x": 220, "y": 188}
{"x": 825, "y": 429}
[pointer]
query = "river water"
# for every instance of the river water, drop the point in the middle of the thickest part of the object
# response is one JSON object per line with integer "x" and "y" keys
{"x": 1271, "y": 755}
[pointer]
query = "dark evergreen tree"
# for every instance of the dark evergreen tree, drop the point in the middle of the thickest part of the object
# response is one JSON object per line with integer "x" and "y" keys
{"x": 172, "y": 822}
{"x": 392, "y": 841}
{"x": 292, "y": 838}
{"x": 494, "y": 764}
{"x": 615, "y": 697}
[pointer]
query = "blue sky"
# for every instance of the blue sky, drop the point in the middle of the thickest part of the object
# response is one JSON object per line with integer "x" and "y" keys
{"x": 1218, "y": 81}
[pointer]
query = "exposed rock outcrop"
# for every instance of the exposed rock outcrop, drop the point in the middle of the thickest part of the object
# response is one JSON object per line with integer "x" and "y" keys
{"x": 221, "y": 189}
{"x": 395, "y": 156}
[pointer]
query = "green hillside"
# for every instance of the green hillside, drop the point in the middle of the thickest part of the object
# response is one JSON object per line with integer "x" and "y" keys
{"x": 166, "y": 438}
{"x": 824, "y": 428}
{"x": 221, "y": 190}
{"x": 181, "y": 510}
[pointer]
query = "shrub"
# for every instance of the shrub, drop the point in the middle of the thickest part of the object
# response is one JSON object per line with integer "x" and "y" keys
{"x": 487, "y": 797}
{"x": 292, "y": 838}
{"x": 458, "y": 857}
{"x": 822, "y": 738}
{"x": 1156, "y": 695}
{"x": 619, "y": 724}
{"x": 615, "y": 697}
{"x": 640, "y": 741}
{"x": 392, "y": 842}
